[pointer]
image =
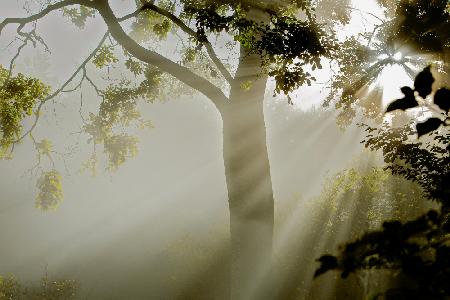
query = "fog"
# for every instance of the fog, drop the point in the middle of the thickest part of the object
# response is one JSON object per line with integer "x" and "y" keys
{"x": 158, "y": 227}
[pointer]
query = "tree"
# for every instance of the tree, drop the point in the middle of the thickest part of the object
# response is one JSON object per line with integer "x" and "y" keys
{"x": 273, "y": 42}
{"x": 419, "y": 248}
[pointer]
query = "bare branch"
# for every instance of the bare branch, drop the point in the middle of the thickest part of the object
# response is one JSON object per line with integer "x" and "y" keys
{"x": 23, "y": 21}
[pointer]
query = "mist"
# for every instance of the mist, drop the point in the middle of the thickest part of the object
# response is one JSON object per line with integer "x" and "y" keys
{"x": 157, "y": 225}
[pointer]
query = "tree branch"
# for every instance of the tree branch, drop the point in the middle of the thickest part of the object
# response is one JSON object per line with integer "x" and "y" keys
{"x": 145, "y": 55}
{"x": 177, "y": 21}
{"x": 23, "y": 21}
{"x": 102, "y": 6}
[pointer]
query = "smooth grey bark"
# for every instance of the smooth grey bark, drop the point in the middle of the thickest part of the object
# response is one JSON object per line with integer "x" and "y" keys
{"x": 249, "y": 183}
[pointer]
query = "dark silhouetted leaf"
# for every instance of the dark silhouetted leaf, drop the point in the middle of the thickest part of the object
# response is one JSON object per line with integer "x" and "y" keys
{"x": 442, "y": 99}
{"x": 423, "y": 82}
{"x": 327, "y": 262}
{"x": 428, "y": 126}
{"x": 409, "y": 101}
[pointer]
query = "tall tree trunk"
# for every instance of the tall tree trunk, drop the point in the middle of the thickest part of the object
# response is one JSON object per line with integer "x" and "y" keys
{"x": 249, "y": 184}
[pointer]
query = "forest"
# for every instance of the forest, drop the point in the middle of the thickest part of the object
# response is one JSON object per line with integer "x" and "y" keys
{"x": 225, "y": 150}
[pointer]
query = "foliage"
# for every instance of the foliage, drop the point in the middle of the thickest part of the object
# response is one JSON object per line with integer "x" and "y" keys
{"x": 118, "y": 148}
{"x": 419, "y": 248}
{"x": 119, "y": 109}
{"x": 423, "y": 24}
{"x": 78, "y": 16}
{"x": 12, "y": 289}
{"x": 365, "y": 196}
{"x": 284, "y": 42}
{"x": 104, "y": 57}
{"x": 150, "y": 24}
{"x": 44, "y": 147}
{"x": 427, "y": 163}
{"x": 9, "y": 288}
{"x": 18, "y": 97}
{"x": 50, "y": 193}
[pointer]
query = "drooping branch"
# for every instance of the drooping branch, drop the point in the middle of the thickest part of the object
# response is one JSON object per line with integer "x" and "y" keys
{"x": 145, "y": 55}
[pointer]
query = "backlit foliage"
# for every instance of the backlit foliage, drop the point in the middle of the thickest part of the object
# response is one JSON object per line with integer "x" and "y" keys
{"x": 119, "y": 148}
{"x": 367, "y": 197}
{"x": 44, "y": 147}
{"x": 424, "y": 25}
{"x": 78, "y": 16}
{"x": 119, "y": 110}
{"x": 50, "y": 193}
{"x": 19, "y": 95}
{"x": 151, "y": 24}
{"x": 104, "y": 57}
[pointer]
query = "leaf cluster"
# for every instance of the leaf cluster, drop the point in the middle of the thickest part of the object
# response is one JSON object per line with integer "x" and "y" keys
{"x": 104, "y": 57}
{"x": 419, "y": 248}
{"x": 150, "y": 24}
{"x": 19, "y": 95}
{"x": 119, "y": 109}
{"x": 50, "y": 193}
{"x": 78, "y": 16}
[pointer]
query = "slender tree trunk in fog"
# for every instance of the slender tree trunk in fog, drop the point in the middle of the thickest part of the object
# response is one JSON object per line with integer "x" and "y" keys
{"x": 249, "y": 184}
{"x": 247, "y": 170}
